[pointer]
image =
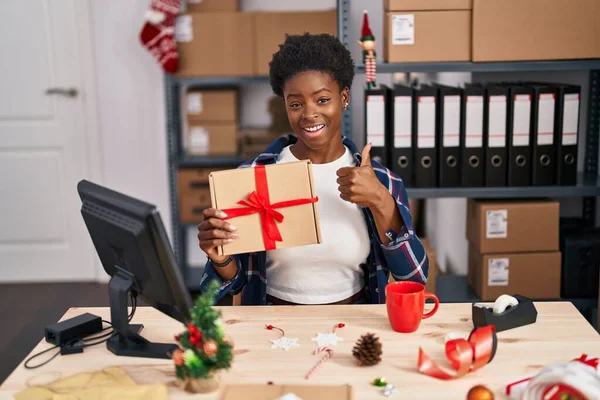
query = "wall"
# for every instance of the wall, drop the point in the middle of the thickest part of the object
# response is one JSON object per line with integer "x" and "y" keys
{"x": 130, "y": 105}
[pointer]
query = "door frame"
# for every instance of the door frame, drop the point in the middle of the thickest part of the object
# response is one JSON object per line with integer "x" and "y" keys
{"x": 91, "y": 126}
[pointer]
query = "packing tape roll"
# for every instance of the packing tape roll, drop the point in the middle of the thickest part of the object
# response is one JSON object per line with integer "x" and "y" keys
{"x": 503, "y": 302}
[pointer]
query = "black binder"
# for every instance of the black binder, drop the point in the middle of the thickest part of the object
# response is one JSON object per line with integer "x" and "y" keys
{"x": 494, "y": 135}
{"x": 449, "y": 104}
{"x": 543, "y": 107}
{"x": 568, "y": 101}
{"x": 425, "y": 138}
{"x": 401, "y": 121}
{"x": 519, "y": 135}
{"x": 377, "y": 129}
{"x": 472, "y": 158}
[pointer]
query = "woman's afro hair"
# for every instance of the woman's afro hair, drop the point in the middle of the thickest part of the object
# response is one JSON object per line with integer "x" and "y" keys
{"x": 320, "y": 52}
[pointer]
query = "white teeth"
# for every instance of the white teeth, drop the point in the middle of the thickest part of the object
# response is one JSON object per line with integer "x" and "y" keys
{"x": 314, "y": 128}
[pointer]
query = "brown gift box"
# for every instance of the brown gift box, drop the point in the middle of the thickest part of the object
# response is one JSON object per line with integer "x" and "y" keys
{"x": 285, "y": 182}
{"x": 273, "y": 392}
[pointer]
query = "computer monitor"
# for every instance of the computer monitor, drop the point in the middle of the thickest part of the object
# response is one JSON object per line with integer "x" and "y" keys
{"x": 134, "y": 249}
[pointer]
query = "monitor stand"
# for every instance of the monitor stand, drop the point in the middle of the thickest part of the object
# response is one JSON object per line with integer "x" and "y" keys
{"x": 127, "y": 341}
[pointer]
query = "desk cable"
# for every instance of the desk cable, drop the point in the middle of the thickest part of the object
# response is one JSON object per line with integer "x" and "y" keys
{"x": 81, "y": 343}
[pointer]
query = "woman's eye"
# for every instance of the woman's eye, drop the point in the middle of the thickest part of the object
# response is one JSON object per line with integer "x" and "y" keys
{"x": 294, "y": 105}
{"x": 323, "y": 100}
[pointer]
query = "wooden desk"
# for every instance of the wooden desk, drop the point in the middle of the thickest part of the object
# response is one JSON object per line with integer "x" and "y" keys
{"x": 560, "y": 334}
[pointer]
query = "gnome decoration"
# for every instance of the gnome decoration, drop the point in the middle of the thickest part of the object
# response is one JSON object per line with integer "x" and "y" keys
{"x": 367, "y": 42}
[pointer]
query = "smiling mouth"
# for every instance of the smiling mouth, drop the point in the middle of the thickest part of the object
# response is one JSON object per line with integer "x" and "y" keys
{"x": 315, "y": 129}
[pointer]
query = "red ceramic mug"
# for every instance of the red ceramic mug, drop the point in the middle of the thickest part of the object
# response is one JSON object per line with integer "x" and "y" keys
{"x": 405, "y": 302}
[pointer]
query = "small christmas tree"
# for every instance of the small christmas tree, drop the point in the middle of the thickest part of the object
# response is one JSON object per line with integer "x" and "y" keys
{"x": 204, "y": 348}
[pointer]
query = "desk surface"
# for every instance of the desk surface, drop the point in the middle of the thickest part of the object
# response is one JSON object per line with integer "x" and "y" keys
{"x": 560, "y": 334}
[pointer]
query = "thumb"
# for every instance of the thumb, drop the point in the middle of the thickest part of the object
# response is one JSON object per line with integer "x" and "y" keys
{"x": 366, "y": 155}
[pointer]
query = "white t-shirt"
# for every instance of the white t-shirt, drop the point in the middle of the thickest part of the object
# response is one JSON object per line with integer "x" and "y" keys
{"x": 330, "y": 271}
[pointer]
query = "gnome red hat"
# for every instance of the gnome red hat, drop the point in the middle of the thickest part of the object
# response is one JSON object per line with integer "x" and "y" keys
{"x": 366, "y": 33}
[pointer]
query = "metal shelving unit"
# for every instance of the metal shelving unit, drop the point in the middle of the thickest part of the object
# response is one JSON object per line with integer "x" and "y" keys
{"x": 588, "y": 186}
{"x": 174, "y": 87}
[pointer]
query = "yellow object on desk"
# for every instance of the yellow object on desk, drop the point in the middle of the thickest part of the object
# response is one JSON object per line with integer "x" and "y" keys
{"x": 108, "y": 383}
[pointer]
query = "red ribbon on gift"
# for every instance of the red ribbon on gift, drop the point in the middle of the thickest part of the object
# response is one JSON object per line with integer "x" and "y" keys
{"x": 258, "y": 202}
{"x": 465, "y": 356}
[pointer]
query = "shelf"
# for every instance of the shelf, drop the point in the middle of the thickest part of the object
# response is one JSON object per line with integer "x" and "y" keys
{"x": 587, "y": 189}
{"x": 219, "y": 80}
{"x": 210, "y": 161}
{"x": 566, "y": 65}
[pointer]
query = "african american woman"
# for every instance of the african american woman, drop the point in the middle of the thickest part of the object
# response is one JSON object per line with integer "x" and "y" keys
{"x": 365, "y": 221}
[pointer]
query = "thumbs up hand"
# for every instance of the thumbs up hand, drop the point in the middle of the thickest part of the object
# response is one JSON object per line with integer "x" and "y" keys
{"x": 359, "y": 185}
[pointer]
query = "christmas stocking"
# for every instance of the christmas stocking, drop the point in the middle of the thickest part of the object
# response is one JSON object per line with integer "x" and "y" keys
{"x": 158, "y": 33}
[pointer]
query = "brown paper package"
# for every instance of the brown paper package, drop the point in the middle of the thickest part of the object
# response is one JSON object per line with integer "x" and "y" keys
{"x": 287, "y": 181}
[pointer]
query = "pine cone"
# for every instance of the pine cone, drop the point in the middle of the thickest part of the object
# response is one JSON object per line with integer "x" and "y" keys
{"x": 367, "y": 350}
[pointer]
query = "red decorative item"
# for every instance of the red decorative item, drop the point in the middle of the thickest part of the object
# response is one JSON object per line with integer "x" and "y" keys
{"x": 258, "y": 202}
{"x": 464, "y": 355}
{"x": 177, "y": 338}
{"x": 271, "y": 327}
{"x": 158, "y": 33}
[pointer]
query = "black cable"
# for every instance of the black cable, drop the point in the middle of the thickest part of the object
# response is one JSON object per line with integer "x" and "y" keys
{"x": 84, "y": 341}
{"x": 39, "y": 354}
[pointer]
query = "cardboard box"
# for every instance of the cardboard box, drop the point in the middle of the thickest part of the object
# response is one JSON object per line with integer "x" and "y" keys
{"x": 427, "y": 5}
{"x": 274, "y": 392}
{"x": 215, "y": 44}
{"x": 270, "y": 29}
{"x": 433, "y": 268}
{"x": 255, "y": 141}
{"x": 193, "y": 193}
{"x": 212, "y": 6}
{"x": 283, "y": 182}
{"x": 491, "y": 275}
{"x": 211, "y": 105}
{"x": 495, "y": 226}
{"x": 428, "y": 30}
{"x": 516, "y": 30}
{"x": 212, "y": 138}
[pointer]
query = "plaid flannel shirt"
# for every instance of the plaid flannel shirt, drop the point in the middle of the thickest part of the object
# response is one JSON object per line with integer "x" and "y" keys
{"x": 403, "y": 256}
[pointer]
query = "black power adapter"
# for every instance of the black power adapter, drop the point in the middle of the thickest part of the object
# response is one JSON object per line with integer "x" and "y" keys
{"x": 74, "y": 328}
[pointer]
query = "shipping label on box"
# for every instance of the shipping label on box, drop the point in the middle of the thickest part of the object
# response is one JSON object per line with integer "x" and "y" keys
{"x": 272, "y": 206}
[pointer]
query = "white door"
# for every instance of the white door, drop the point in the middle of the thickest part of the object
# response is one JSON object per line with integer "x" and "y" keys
{"x": 43, "y": 147}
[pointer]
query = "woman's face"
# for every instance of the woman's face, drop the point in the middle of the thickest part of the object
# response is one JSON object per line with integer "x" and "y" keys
{"x": 314, "y": 103}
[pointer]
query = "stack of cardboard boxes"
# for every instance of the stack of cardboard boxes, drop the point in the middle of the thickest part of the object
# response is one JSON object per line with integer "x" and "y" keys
{"x": 514, "y": 248}
{"x": 215, "y": 39}
{"x": 490, "y": 30}
{"x": 212, "y": 122}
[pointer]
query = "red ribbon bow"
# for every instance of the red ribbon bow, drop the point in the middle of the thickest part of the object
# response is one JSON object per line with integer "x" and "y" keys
{"x": 258, "y": 202}
{"x": 592, "y": 362}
